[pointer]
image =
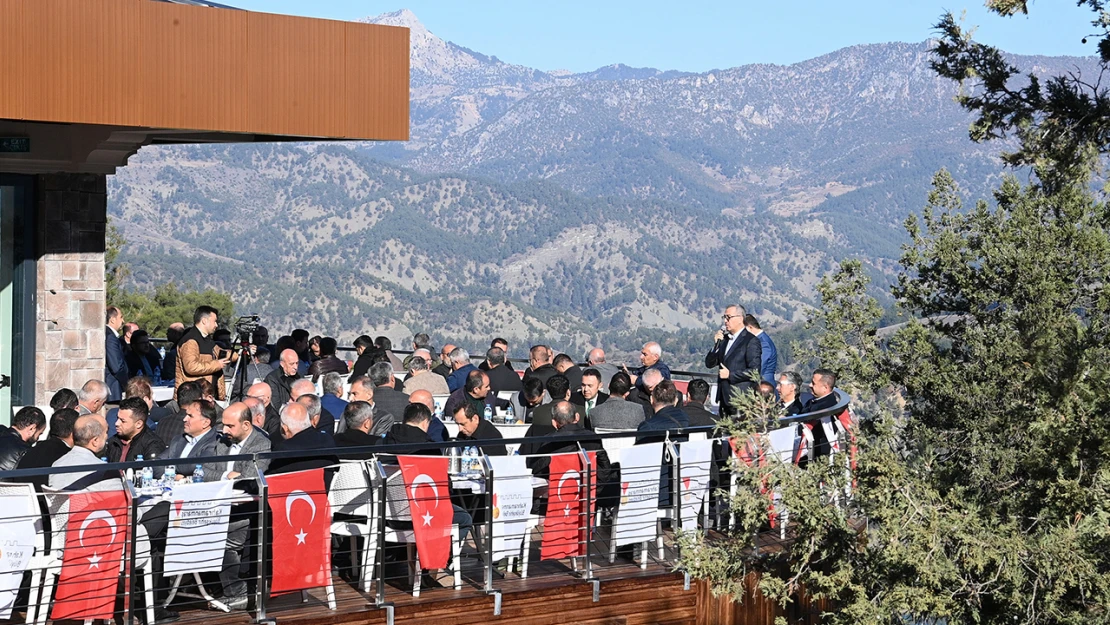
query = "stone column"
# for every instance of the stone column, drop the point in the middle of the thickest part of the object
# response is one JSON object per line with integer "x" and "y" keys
{"x": 71, "y": 214}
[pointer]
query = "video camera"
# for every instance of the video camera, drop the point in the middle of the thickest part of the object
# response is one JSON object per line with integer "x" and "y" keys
{"x": 246, "y": 326}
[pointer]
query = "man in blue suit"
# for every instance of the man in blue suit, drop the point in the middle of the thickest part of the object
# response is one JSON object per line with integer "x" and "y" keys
{"x": 737, "y": 353}
{"x": 115, "y": 367}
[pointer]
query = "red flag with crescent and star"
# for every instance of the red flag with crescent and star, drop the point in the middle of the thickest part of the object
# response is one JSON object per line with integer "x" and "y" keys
{"x": 302, "y": 531}
{"x": 95, "y": 535}
{"x": 560, "y": 525}
{"x": 429, "y": 494}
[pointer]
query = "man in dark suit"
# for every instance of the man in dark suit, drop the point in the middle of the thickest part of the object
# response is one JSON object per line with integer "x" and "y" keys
{"x": 199, "y": 438}
{"x": 565, "y": 365}
{"x": 297, "y": 434}
{"x": 359, "y": 417}
{"x": 472, "y": 427}
{"x": 589, "y": 395}
{"x": 696, "y": 394}
{"x": 387, "y": 399}
{"x": 618, "y": 413}
{"x": 559, "y": 389}
{"x": 736, "y": 353}
{"x": 501, "y": 375}
{"x": 539, "y": 359}
{"x": 115, "y": 366}
{"x": 824, "y": 397}
{"x": 57, "y": 444}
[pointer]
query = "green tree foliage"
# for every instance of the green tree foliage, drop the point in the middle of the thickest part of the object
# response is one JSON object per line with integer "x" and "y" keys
{"x": 987, "y": 498}
{"x": 115, "y": 272}
{"x": 1062, "y": 123}
{"x": 168, "y": 304}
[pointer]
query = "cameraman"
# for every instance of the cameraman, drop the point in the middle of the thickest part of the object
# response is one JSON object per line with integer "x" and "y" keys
{"x": 198, "y": 355}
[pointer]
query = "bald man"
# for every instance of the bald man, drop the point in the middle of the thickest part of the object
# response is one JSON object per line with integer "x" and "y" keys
{"x": 437, "y": 432}
{"x": 596, "y": 359}
{"x": 263, "y": 392}
{"x": 282, "y": 378}
{"x": 305, "y": 386}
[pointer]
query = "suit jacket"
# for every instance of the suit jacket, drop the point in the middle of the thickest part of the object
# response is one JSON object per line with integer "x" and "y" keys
{"x": 171, "y": 427}
{"x": 427, "y": 381}
{"x": 318, "y": 451}
{"x": 256, "y": 443}
{"x": 503, "y": 378}
{"x": 204, "y": 447}
{"x": 699, "y": 416}
{"x": 544, "y": 373}
{"x": 457, "y": 379}
{"x": 44, "y": 454}
{"x": 820, "y": 441}
{"x": 618, "y": 414}
{"x": 574, "y": 375}
{"x": 95, "y": 481}
{"x": 387, "y": 399}
{"x": 483, "y": 437}
{"x": 744, "y": 357}
{"x": 577, "y": 398}
{"x": 115, "y": 365}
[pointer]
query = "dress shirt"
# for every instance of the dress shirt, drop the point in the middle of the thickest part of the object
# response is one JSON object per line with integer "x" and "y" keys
{"x": 191, "y": 442}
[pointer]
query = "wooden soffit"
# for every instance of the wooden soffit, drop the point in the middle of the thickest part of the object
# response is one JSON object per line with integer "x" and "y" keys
{"x": 142, "y": 64}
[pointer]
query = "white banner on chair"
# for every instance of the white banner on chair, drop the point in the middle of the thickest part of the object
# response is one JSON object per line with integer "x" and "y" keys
{"x": 641, "y": 467}
{"x": 17, "y": 545}
{"x": 198, "y": 527}
{"x": 696, "y": 457}
{"x": 512, "y": 503}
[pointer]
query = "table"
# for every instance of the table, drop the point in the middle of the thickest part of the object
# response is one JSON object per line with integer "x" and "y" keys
{"x": 162, "y": 394}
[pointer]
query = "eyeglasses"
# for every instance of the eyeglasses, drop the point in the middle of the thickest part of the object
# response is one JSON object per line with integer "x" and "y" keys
{"x": 727, "y": 317}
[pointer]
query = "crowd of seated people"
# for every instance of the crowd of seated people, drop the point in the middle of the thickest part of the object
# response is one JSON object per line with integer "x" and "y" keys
{"x": 300, "y": 396}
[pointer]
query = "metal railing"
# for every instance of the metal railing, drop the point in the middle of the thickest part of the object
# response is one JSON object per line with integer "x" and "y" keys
{"x": 623, "y": 498}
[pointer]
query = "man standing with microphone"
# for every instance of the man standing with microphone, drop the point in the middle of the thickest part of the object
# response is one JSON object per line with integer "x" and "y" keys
{"x": 736, "y": 353}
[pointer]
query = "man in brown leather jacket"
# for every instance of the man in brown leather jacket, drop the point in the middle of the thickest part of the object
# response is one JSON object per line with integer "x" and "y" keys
{"x": 197, "y": 355}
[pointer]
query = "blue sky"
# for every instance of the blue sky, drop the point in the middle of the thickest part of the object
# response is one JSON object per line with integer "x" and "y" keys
{"x": 581, "y": 36}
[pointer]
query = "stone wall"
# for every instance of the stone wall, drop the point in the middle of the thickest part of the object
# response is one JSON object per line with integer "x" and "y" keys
{"x": 71, "y": 214}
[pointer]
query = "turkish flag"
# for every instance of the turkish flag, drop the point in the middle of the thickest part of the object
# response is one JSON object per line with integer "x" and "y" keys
{"x": 564, "y": 490}
{"x": 302, "y": 531}
{"x": 95, "y": 535}
{"x": 428, "y": 490}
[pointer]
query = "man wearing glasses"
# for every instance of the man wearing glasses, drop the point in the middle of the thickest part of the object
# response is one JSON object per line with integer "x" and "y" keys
{"x": 736, "y": 353}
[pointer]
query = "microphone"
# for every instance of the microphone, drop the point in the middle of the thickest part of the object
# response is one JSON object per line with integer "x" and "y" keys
{"x": 724, "y": 338}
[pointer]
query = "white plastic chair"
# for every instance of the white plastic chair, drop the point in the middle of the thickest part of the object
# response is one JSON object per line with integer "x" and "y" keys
{"x": 397, "y": 509}
{"x": 41, "y": 561}
{"x": 352, "y": 493}
{"x": 57, "y": 502}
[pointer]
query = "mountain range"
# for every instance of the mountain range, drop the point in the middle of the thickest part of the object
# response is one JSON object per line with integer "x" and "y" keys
{"x": 606, "y": 207}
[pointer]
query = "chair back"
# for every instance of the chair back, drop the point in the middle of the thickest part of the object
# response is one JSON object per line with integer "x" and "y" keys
{"x": 396, "y": 499}
{"x": 613, "y": 446}
{"x": 783, "y": 443}
{"x": 351, "y": 491}
{"x": 21, "y": 502}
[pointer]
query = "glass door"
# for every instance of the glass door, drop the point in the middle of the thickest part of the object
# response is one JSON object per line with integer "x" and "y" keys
{"x": 18, "y": 284}
{"x": 7, "y": 348}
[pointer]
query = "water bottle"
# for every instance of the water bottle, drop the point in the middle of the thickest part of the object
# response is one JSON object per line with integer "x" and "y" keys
{"x": 147, "y": 480}
{"x": 198, "y": 474}
{"x": 162, "y": 352}
{"x": 510, "y": 417}
{"x": 487, "y": 414}
{"x": 169, "y": 478}
{"x": 439, "y": 411}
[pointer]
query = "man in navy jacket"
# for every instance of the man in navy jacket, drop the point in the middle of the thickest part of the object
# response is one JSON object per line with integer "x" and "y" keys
{"x": 115, "y": 366}
{"x": 737, "y": 353}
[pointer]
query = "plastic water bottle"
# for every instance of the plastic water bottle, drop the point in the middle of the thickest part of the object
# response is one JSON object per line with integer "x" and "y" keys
{"x": 147, "y": 481}
{"x": 487, "y": 414}
{"x": 198, "y": 474}
{"x": 162, "y": 352}
{"x": 439, "y": 411}
{"x": 510, "y": 416}
{"x": 169, "y": 478}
